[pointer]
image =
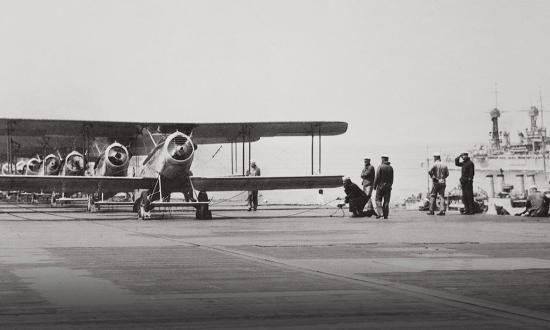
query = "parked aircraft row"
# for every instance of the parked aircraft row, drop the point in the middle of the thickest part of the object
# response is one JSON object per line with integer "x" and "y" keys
{"x": 97, "y": 162}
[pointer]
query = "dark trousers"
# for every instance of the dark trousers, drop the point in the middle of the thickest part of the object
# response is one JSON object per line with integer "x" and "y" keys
{"x": 382, "y": 198}
{"x": 438, "y": 190}
{"x": 253, "y": 199}
{"x": 468, "y": 195}
{"x": 356, "y": 205}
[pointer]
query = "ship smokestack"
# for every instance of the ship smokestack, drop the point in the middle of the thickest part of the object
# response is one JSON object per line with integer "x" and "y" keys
{"x": 491, "y": 182}
{"x": 495, "y": 114}
{"x": 521, "y": 184}
{"x": 533, "y": 113}
{"x": 500, "y": 182}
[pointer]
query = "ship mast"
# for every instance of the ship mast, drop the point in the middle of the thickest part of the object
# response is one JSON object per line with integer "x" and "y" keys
{"x": 543, "y": 130}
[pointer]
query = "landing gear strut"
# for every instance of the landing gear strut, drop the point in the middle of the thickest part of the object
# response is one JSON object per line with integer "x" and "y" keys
{"x": 144, "y": 212}
{"x": 92, "y": 207}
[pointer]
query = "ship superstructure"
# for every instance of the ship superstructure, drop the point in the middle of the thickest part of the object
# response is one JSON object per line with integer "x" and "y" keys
{"x": 529, "y": 153}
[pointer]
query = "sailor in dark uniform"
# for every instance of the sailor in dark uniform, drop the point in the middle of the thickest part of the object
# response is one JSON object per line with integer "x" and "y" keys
{"x": 466, "y": 182}
{"x": 356, "y": 198}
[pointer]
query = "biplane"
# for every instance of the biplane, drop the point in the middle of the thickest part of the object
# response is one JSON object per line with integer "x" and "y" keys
{"x": 93, "y": 157}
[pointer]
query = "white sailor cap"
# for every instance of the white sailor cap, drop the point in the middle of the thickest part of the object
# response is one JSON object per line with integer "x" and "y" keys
{"x": 437, "y": 154}
{"x": 532, "y": 187}
{"x": 346, "y": 179}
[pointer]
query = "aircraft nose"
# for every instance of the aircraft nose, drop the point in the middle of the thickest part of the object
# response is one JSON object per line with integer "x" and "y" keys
{"x": 117, "y": 155}
{"x": 180, "y": 147}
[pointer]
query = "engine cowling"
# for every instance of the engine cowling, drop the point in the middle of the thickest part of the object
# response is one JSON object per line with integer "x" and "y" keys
{"x": 74, "y": 164}
{"x": 33, "y": 166}
{"x": 179, "y": 147}
{"x": 21, "y": 167}
{"x": 179, "y": 150}
{"x": 116, "y": 160}
{"x": 6, "y": 169}
{"x": 51, "y": 165}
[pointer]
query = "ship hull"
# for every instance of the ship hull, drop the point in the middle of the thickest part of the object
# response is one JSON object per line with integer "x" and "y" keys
{"x": 531, "y": 163}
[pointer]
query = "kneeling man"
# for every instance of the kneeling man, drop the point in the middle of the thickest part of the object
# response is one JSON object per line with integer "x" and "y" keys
{"x": 356, "y": 198}
{"x": 537, "y": 204}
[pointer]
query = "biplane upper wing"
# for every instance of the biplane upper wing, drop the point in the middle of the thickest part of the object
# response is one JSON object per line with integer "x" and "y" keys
{"x": 32, "y": 136}
{"x": 90, "y": 184}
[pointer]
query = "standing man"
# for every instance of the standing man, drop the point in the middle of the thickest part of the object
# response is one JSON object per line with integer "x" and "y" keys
{"x": 466, "y": 181}
{"x": 383, "y": 183}
{"x": 253, "y": 195}
{"x": 439, "y": 173}
{"x": 367, "y": 174}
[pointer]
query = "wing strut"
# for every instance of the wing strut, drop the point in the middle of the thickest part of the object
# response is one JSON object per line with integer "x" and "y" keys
{"x": 319, "y": 150}
{"x": 10, "y": 160}
{"x": 232, "y": 170}
{"x": 243, "y": 152}
{"x": 312, "y": 136}
{"x": 313, "y": 131}
{"x": 249, "y": 150}
{"x": 150, "y": 136}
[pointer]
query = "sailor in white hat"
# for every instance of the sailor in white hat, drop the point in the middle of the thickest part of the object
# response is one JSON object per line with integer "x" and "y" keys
{"x": 253, "y": 195}
{"x": 368, "y": 174}
{"x": 438, "y": 173}
{"x": 383, "y": 184}
{"x": 536, "y": 204}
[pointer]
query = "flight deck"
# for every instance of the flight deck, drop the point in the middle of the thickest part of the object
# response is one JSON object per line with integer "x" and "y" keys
{"x": 275, "y": 268}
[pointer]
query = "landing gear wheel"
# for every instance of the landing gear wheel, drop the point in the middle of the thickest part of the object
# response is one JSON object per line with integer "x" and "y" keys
{"x": 203, "y": 213}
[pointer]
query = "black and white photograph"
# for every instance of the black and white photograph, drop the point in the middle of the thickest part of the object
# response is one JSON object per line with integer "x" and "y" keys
{"x": 274, "y": 164}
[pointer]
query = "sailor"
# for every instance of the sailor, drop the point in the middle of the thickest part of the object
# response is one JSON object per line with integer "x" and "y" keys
{"x": 383, "y": 184}
{"x": 356, "y": 198}
{"x": 439, "y": 173}
{"x": 367, "y": 174}
{"x": 253, "y": 195}
{"x": 466, "y": 182}
{"x": 537, "y": 204}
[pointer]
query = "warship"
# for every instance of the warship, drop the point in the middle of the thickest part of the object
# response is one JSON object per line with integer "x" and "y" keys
{"x": 528, "y": 154}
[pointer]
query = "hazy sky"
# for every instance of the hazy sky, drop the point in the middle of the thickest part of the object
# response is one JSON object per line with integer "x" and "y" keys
{"x": 414, "y": 71}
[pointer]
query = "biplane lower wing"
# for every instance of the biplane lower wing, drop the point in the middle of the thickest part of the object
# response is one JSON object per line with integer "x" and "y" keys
{"x": 91, "y": 184}
{"x": 73, "y": 184}
{"x": 265, "y": 182}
